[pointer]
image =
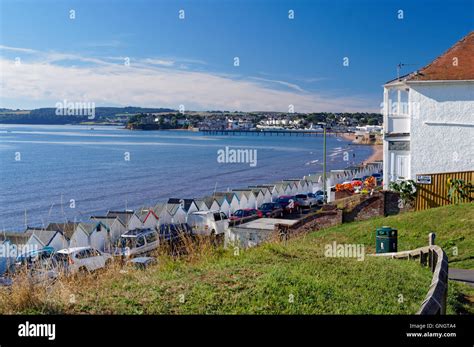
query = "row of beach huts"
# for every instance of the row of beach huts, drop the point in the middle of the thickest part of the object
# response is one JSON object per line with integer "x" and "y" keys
{"x": 102, "y": 231}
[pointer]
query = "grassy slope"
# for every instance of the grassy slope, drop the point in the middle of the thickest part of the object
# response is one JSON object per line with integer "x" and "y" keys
{"x": 453, "y": 225}
{"x": 291, "y": 278}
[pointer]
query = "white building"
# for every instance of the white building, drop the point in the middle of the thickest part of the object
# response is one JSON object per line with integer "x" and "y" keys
{"x": 189, "y": 205}
{"x": 52, "y": 238}
{"x": 232, "y": 201}
{"x": 94, "y": 234}
{"x": 148, "y": 218}
{"x": 128, "y": 218}
{"x": 429, "y": 117}
{"x": 113, "y": 224}
{"x": 170, "y": 213}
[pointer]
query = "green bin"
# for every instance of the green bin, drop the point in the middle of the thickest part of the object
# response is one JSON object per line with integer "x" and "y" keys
{"x": 386, "y": 240}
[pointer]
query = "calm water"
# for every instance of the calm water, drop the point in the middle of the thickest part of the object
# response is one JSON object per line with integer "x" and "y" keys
{"x": 60, "y": 163}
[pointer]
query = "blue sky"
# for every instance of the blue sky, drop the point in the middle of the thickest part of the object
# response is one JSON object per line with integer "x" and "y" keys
{"x": 190, "y": 61}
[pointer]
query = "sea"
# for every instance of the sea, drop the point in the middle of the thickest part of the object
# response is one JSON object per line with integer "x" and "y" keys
{"x": 54, "y": 173}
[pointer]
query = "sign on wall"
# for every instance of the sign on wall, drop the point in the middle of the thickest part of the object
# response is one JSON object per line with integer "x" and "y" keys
{"x": 423, "y": 179}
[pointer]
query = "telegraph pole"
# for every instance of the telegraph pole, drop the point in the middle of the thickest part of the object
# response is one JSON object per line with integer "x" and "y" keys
{"x": 324, "y": 165}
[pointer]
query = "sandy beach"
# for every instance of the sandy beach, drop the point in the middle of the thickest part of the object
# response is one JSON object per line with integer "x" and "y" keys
{"x": 377, "y": 153}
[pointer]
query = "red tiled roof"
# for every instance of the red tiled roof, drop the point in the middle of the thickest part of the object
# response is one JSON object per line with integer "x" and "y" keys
{"x": 444, "y": 67}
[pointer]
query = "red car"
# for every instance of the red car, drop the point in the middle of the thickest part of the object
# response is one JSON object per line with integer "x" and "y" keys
{"x": 270, "y": 209}
{"x": 288, "y": 203}
{"x": 246, "y": 212}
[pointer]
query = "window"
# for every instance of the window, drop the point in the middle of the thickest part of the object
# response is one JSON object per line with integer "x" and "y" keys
{"x": 94, "y": 253}
{"x": 402, "y": 166}
{"x": 403, "y": 103}
{"x": 397, "y": 102}
{"x": 223, "y": 216}
{"x": 140, "y": 241}
{"x": 151, "y": 237}
{"x": 217, "y": 217}
{"x": 83, "y": 254}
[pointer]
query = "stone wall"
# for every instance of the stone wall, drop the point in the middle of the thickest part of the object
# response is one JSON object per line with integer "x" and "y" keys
{"x": 364, "y": 206}
{"x": 326, "y": 218}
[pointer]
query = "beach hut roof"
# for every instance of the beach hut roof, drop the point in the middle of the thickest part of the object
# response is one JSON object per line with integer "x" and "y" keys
{"x": 159, "y": 208}
{"x": 173, "y": 208}
{"x": 67, "y": 228}
{"x": 209, "y": 200}
{"x": 45, "y": 236}
{"x": 229, "y": 196}
{"x": 90, "y": 227}
{"x": 123, "y": 216}
{"x": 240, "y": 192}
{"x": 107, "y": 220}
{"x": 187, "y": 202}
{"x": 16, "y": 238}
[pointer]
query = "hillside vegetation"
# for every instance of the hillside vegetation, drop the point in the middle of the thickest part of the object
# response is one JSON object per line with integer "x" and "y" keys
{"x": 276, "y": 278}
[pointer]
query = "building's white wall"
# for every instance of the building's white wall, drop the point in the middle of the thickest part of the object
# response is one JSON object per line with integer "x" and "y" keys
{"x": 34, "y": 242}
{"x": 243, "y": 203}
{"x": 442, "y": 147}
{"x": 134, "y": 223}
{"x": 192, "y": 208}
{"x": 164, "y": 217}
{"x": 225, "y": 207}
{"x": 116, "y": 230}
{"x": 179, "y": 217}
{"x": 151, "y": 222}
{"x": 268, "y": 196}
{"x": 251, "y": 201}
{"x": 58, "y": 242}
{"x": 98, "y": 240}
{"x": 79, "y": 238}
{"x": 234, "y": 205}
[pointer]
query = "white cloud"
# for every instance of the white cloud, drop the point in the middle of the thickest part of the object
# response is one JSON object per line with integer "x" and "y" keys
{"x": 155, "y": 83}
{"x": 160, "y": 62}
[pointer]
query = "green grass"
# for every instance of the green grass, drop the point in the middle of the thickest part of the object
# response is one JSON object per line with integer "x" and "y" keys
{"x": 453, "y": 225}
{"x": 275, "y": 278}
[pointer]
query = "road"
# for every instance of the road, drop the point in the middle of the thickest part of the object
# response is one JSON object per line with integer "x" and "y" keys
{"x": 462, "y": 275}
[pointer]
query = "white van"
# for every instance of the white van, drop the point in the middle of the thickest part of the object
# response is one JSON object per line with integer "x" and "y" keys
{"x": 136, "y": 242}
{"x": 80, "y": 259}
{"x": 209, "y": 223}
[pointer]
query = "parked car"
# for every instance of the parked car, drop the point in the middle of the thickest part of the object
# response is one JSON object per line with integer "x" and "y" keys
{"x": 39, "y": 265}
{"x": 319, "y": 198}
{"x": 34, "y": 258}
{"x": 81, "y": 259}
{"x": 141, "y": 262}
{"x": 136, "y": 242}
{"x": 209, "y": 223}
{"x": 320, "y": 195}
{"x": 304, "y": 200}
{"x": 270, "y": 209}
{"x": 288, "y": 203}
{"x": 246, "y": 212}
{"x": 173, "y": 232}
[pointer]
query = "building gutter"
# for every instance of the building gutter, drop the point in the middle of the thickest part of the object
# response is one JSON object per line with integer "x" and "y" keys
{"x": 450, "y": 124}
{"x": 439, "y": 81}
